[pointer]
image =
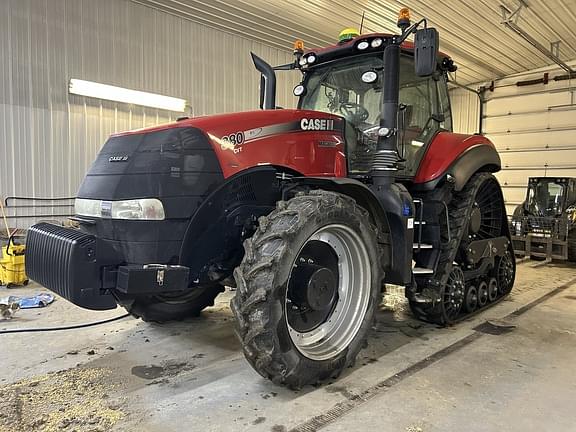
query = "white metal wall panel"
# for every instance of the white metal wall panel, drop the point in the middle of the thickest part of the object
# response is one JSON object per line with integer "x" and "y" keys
{"x": 534, "y": 129}
{"x": 48, "y": 138}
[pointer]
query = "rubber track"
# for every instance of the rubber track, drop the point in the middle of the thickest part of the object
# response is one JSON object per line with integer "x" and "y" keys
{"x": 459, "y": 210}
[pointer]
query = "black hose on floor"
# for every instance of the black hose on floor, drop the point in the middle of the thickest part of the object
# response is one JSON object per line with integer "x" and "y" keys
{"x": 70, "y": 327}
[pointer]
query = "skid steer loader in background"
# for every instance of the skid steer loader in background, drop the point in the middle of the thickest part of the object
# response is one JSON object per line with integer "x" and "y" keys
{"x": 544, "y": 225}
{"x": 308, "y": 211}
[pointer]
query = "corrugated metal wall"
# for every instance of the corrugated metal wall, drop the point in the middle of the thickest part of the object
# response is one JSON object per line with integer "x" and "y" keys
{"x": 48, "y": 138}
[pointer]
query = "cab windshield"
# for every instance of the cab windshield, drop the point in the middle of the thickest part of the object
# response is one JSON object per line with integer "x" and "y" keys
{"x": 337, "y": 88}
{"x": 545, "y": 198}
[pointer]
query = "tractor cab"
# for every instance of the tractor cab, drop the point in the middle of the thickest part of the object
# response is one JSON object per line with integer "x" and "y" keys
{"x": 349, "y": 83}
{"x": 549, "y": 196}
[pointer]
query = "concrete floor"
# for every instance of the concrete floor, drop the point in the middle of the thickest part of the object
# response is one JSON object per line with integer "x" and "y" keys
{"x": 191, "y": 376}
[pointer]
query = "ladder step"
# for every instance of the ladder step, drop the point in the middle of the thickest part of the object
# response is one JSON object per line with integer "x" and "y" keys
{"x": 422, "y": 270}
{"x": 422, "y": 246}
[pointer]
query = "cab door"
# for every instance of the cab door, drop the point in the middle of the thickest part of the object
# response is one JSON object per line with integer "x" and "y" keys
{"x": 424, "y": 110}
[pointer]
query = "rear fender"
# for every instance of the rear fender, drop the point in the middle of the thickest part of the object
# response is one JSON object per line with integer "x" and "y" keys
{"x": 480, "y": 157}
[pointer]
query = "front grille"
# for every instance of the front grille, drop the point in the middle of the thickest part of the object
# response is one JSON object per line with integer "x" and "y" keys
{"x": 64, "y": 260}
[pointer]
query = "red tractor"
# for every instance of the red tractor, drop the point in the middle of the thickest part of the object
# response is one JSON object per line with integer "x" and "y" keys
{"x": 308, "y": 212}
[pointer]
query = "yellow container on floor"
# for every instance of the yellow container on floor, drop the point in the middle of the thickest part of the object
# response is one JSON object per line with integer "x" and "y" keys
{"x": 12, "y": 269}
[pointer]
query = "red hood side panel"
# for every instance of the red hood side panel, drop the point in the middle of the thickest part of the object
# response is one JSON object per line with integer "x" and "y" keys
{"x": 444, "y": 149}
{"x": 308, "y": 142}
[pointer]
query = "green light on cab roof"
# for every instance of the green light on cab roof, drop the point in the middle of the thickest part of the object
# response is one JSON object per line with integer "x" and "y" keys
{"x": 348, "y": 34}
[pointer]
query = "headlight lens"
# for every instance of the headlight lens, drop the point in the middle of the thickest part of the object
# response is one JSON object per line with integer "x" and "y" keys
{"x": 363, "y": 45}
{"x": 299, "y": 90}
{"x": 87, "y": 207}
{"x": 139, "y": 209}
{"x": 376, "y": 43}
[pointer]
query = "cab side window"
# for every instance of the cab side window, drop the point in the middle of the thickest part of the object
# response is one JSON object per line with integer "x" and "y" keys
{"x": 418, "y": 104}
{"x": 444, "y": 103}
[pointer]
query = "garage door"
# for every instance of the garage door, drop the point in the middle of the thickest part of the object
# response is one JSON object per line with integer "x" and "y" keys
{"x": 532, "y": 121}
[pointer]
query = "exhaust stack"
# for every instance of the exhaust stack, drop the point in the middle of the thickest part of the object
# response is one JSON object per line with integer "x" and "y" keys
{"x": 267, "y": 83}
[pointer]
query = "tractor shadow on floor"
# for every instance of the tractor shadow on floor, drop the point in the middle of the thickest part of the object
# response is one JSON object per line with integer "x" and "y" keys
{"x": 212, "y": 335}
{"x": 394, "y": 327}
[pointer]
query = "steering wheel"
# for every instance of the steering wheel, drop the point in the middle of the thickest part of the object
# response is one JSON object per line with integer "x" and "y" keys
{"x": 353, "y": 112}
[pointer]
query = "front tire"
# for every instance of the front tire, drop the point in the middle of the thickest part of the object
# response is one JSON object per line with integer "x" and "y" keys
{"x": 308, "y": 288}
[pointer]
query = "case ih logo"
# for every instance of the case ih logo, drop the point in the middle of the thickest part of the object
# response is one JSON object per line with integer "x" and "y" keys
{"x": 118, "y": 159}
{"x": 317, "y": 124}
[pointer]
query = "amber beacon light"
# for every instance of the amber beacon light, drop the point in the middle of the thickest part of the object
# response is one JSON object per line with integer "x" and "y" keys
{"x": 404, "y": 18}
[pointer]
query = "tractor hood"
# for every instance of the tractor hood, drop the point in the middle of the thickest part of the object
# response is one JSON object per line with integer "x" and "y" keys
{"x": 192, "y": 157}
{"x": 219, "y": 124}
{"x": 295, "y": 139}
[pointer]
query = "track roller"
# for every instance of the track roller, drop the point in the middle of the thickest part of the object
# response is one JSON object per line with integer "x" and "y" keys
{"x": 471, "y": 299}
{"x": 492, "y": 290}
{"x": 482, "y": 294}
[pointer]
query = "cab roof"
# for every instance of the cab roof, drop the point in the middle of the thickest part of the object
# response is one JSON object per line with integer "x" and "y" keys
{"x": 350, "y": 47}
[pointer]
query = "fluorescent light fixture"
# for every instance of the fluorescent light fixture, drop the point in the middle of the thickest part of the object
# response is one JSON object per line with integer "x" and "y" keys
{"x": 119, "y": 94}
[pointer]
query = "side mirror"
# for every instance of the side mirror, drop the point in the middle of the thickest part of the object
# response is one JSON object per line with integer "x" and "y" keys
{"x": 426, "y": 43}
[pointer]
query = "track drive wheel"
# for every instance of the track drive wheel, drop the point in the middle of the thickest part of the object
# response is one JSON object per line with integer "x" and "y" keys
{"x": 176, "y": 307}
{"x": 308, "y": 288}
{"x": 453, "y": 296}
{"x": 506, "y": 271}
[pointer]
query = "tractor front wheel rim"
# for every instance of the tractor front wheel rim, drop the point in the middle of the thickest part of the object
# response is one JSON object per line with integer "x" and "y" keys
{"x": 349, "y": 267}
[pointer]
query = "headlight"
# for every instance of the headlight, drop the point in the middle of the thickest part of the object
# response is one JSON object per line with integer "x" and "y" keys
{"x": 87, "y": 207}
{"x": 311, "y": 58}
{"x": 363, "y": 45}
{"x": 138, "y": 209}
{"x": 376, "y": 43}
{"x": 299, "y": 90}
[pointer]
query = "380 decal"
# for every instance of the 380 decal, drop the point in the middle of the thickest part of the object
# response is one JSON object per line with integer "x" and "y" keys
{"x": 233, "y": 141}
